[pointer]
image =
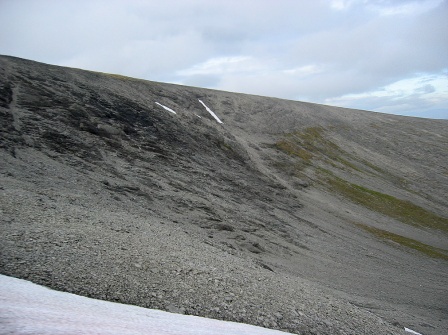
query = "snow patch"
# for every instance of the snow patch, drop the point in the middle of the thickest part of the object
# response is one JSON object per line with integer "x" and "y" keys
{"x": 210, "y": 111}
{"x": 407, "y": 330}
{"x": 30, "y": 309}
{"x": 167, "y": 108}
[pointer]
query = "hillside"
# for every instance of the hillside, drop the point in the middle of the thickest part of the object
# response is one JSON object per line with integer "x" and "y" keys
{"x": 288, "y": 215}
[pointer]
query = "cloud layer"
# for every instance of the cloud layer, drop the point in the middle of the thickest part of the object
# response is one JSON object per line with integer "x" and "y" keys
{"x": 381, "y": 55}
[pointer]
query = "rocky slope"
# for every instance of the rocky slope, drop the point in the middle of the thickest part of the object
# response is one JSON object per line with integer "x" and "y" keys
{"x": 294, "y": 216}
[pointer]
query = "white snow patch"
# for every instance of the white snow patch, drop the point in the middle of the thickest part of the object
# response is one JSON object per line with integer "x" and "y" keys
{"x": 407, "y": 330}
{"x": 167, "y": 108}
{"x": 31, "y": 309}
{"x": 210, "y": 111}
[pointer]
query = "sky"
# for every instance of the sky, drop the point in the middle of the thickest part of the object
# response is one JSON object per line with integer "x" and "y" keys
{"x": 389, "y": 56}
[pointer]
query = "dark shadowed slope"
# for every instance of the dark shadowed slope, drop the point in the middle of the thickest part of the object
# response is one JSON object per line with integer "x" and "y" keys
{"x": 288, "y": 215}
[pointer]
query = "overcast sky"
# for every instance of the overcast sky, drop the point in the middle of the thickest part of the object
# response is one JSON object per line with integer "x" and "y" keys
{"x": 382, "y": 55}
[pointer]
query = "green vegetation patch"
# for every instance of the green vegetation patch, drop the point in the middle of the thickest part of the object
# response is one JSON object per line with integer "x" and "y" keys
{"x": 406, "y": 242}
{"x": 293, "y": 149}
{"x": 311, "y": 143}
{"x": 306, "y": 143}
{"x": 402, "y": 210}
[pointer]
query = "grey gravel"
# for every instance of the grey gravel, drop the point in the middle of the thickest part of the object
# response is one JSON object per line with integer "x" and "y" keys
{"x": 107, "y": 195}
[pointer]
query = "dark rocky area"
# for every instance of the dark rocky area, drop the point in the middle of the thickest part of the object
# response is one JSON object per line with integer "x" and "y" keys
{"x": 294, "y": 216}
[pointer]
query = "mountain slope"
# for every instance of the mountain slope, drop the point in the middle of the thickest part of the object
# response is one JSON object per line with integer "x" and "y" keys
{"x": 288, "y": 215}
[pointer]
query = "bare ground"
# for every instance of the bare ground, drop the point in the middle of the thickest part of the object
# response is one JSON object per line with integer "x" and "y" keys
{"x": 294, "y": 216}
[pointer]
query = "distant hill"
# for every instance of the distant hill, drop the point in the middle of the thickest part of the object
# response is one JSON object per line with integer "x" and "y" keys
{"x": 288, "y": 215}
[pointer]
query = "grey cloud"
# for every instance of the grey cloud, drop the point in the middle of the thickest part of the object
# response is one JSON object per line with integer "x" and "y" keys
{"x": 425, "y": 89}
{"x": 357, "y": 48}
{"x": 413, "y": 106}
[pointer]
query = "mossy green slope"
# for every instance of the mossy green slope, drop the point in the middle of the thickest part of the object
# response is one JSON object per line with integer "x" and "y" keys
{"x": 312, "y": 149}
{"x": 402, "y": 210}
{"x": 406, "y": 242}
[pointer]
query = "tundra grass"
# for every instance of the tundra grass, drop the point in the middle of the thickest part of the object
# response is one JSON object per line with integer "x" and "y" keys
{"x": 402, "y": 210}
{"x": 294, "y": 149}
{"x": 310, "y": 143}
{"x": 406, "y": 242}
{"x": 306, "y": 144}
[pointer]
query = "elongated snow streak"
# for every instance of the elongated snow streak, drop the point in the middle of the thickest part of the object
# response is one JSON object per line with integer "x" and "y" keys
{"x": 168, "y": 109}
{"x": 407, "y": 330}
{"x": 210, "y": 111}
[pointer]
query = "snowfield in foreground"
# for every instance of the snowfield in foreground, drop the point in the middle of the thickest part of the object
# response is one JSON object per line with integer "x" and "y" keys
{"x": 27, "y": 308}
